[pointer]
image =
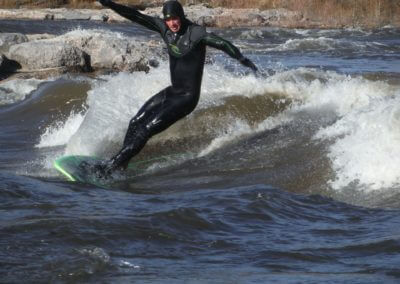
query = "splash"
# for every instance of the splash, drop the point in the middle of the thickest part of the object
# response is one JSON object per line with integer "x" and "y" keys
{"x": 365, "y": 134}
{"x": 234, "y": 131}
{"x": 367, "y": 138}
{"x": 318, "y": 44}
{"x": 17, "y": 90}
{"x": 61, "y": 132}
{"x": 362, "y": 116}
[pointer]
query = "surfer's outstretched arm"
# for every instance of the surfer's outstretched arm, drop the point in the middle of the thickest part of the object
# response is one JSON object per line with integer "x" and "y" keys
{"x": 134, "y": 15}
{"x": 222, "y": 44}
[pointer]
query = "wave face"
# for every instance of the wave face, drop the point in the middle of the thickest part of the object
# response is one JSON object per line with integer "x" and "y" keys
{"x": 350, "y": 121}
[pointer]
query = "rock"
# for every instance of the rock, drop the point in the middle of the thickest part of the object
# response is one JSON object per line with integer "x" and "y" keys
{"x": 33, "y": 37}
{"x": 239, "y": 17}
{"x": 71, "y": 14}
{"x": 101, "y": 17}
{"x": 84, "y": 50}
{"x": 44, "y": 54}
{"x": 16, "y": 90}
{"x": 109, "y": 50}
{"x": 9, "y": 39}
{"x": 206, "y": 21}
{"x": 283, "y": 17}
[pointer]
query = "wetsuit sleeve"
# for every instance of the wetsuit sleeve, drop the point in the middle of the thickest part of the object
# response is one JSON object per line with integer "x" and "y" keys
{"x": 217, "y": 42}
{"x": 134, "y": 15}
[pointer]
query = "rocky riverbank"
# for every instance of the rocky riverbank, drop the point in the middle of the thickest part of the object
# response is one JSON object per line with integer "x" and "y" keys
{"x": 201, "y": 14}
{"x": 279, "y": 13}
{"x": 84, "y": 51}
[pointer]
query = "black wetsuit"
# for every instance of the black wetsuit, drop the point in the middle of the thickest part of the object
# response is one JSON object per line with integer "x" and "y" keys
{"x": 187, "y": 50}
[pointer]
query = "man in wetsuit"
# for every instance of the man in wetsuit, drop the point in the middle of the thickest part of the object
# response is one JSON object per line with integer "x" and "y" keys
{"x": 186, "y": 43}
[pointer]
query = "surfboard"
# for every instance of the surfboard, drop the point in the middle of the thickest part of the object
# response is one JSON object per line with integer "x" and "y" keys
{"x": 71, "y": 168}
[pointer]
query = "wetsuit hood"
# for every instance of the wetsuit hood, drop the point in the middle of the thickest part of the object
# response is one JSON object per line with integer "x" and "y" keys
{"x": 173, "y": 8}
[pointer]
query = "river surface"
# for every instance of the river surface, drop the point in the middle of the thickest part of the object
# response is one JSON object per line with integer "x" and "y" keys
{"x": 290, "y": 176}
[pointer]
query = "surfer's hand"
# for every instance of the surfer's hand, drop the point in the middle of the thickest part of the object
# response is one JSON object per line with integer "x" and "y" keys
{"x": 105, "y": 3}
{"x": 247, "y": 62}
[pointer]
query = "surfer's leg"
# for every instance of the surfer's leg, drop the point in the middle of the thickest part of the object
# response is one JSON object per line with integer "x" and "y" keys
{"x": 153, "y": 106}
{"x": 137, "y": 134}
{"x": 130, "y": 149}
{"x": 159, "y": 113}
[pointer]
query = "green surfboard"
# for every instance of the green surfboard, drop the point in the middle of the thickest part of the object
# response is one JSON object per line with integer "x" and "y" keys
{"x": 69, "y": 166}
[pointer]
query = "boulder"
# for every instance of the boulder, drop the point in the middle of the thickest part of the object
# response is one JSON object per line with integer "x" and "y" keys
{"x": 44, "y": 54}
{"x": 242, "y": 17}
{"x": 9, "y": 39}
{"x": 32, "y": 37}
{"x": 84, "y": 50}
{"x": 112, "y": 51}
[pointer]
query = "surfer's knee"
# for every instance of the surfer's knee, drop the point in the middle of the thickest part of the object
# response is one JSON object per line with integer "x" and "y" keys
{"x": 136, "y": 120}
{"x": 142, "y": 133}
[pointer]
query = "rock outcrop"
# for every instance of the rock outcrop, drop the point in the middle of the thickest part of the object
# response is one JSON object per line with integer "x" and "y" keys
{"x": 112, "y": 51}
{"x": 45, "y": 54}
{"x": 201, "y": 14}
{"x": 82, "y": 51}
{"x": 9, "y": 39}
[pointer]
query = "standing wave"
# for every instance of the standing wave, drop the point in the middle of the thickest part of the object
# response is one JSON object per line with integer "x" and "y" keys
{"x": 356, "y": 118}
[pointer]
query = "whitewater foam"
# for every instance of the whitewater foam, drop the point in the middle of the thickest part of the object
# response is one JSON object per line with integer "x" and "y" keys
{"x": 367, "y": 139}
{"x": 319, "y": 44}
{"x": 234, "y": 130}
{"x": 366, "y": 132}
{"x": 17, "y": 90}
{"x": 60, "y": 132}
{"x": 111, "y": 104}
{"x": 363, "y": 133}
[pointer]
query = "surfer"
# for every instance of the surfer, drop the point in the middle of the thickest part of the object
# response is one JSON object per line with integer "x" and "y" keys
{"x": 186, "y": 43}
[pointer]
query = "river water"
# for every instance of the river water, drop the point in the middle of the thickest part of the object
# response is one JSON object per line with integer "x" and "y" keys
{"x": 291, "y": 176}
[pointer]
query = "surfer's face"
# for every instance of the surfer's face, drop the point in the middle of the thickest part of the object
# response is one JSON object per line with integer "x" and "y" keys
{"x": 174, "y": 24}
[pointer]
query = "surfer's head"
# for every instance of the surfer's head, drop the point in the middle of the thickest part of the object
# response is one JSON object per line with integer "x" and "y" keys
{"x": 173, "y": 15}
